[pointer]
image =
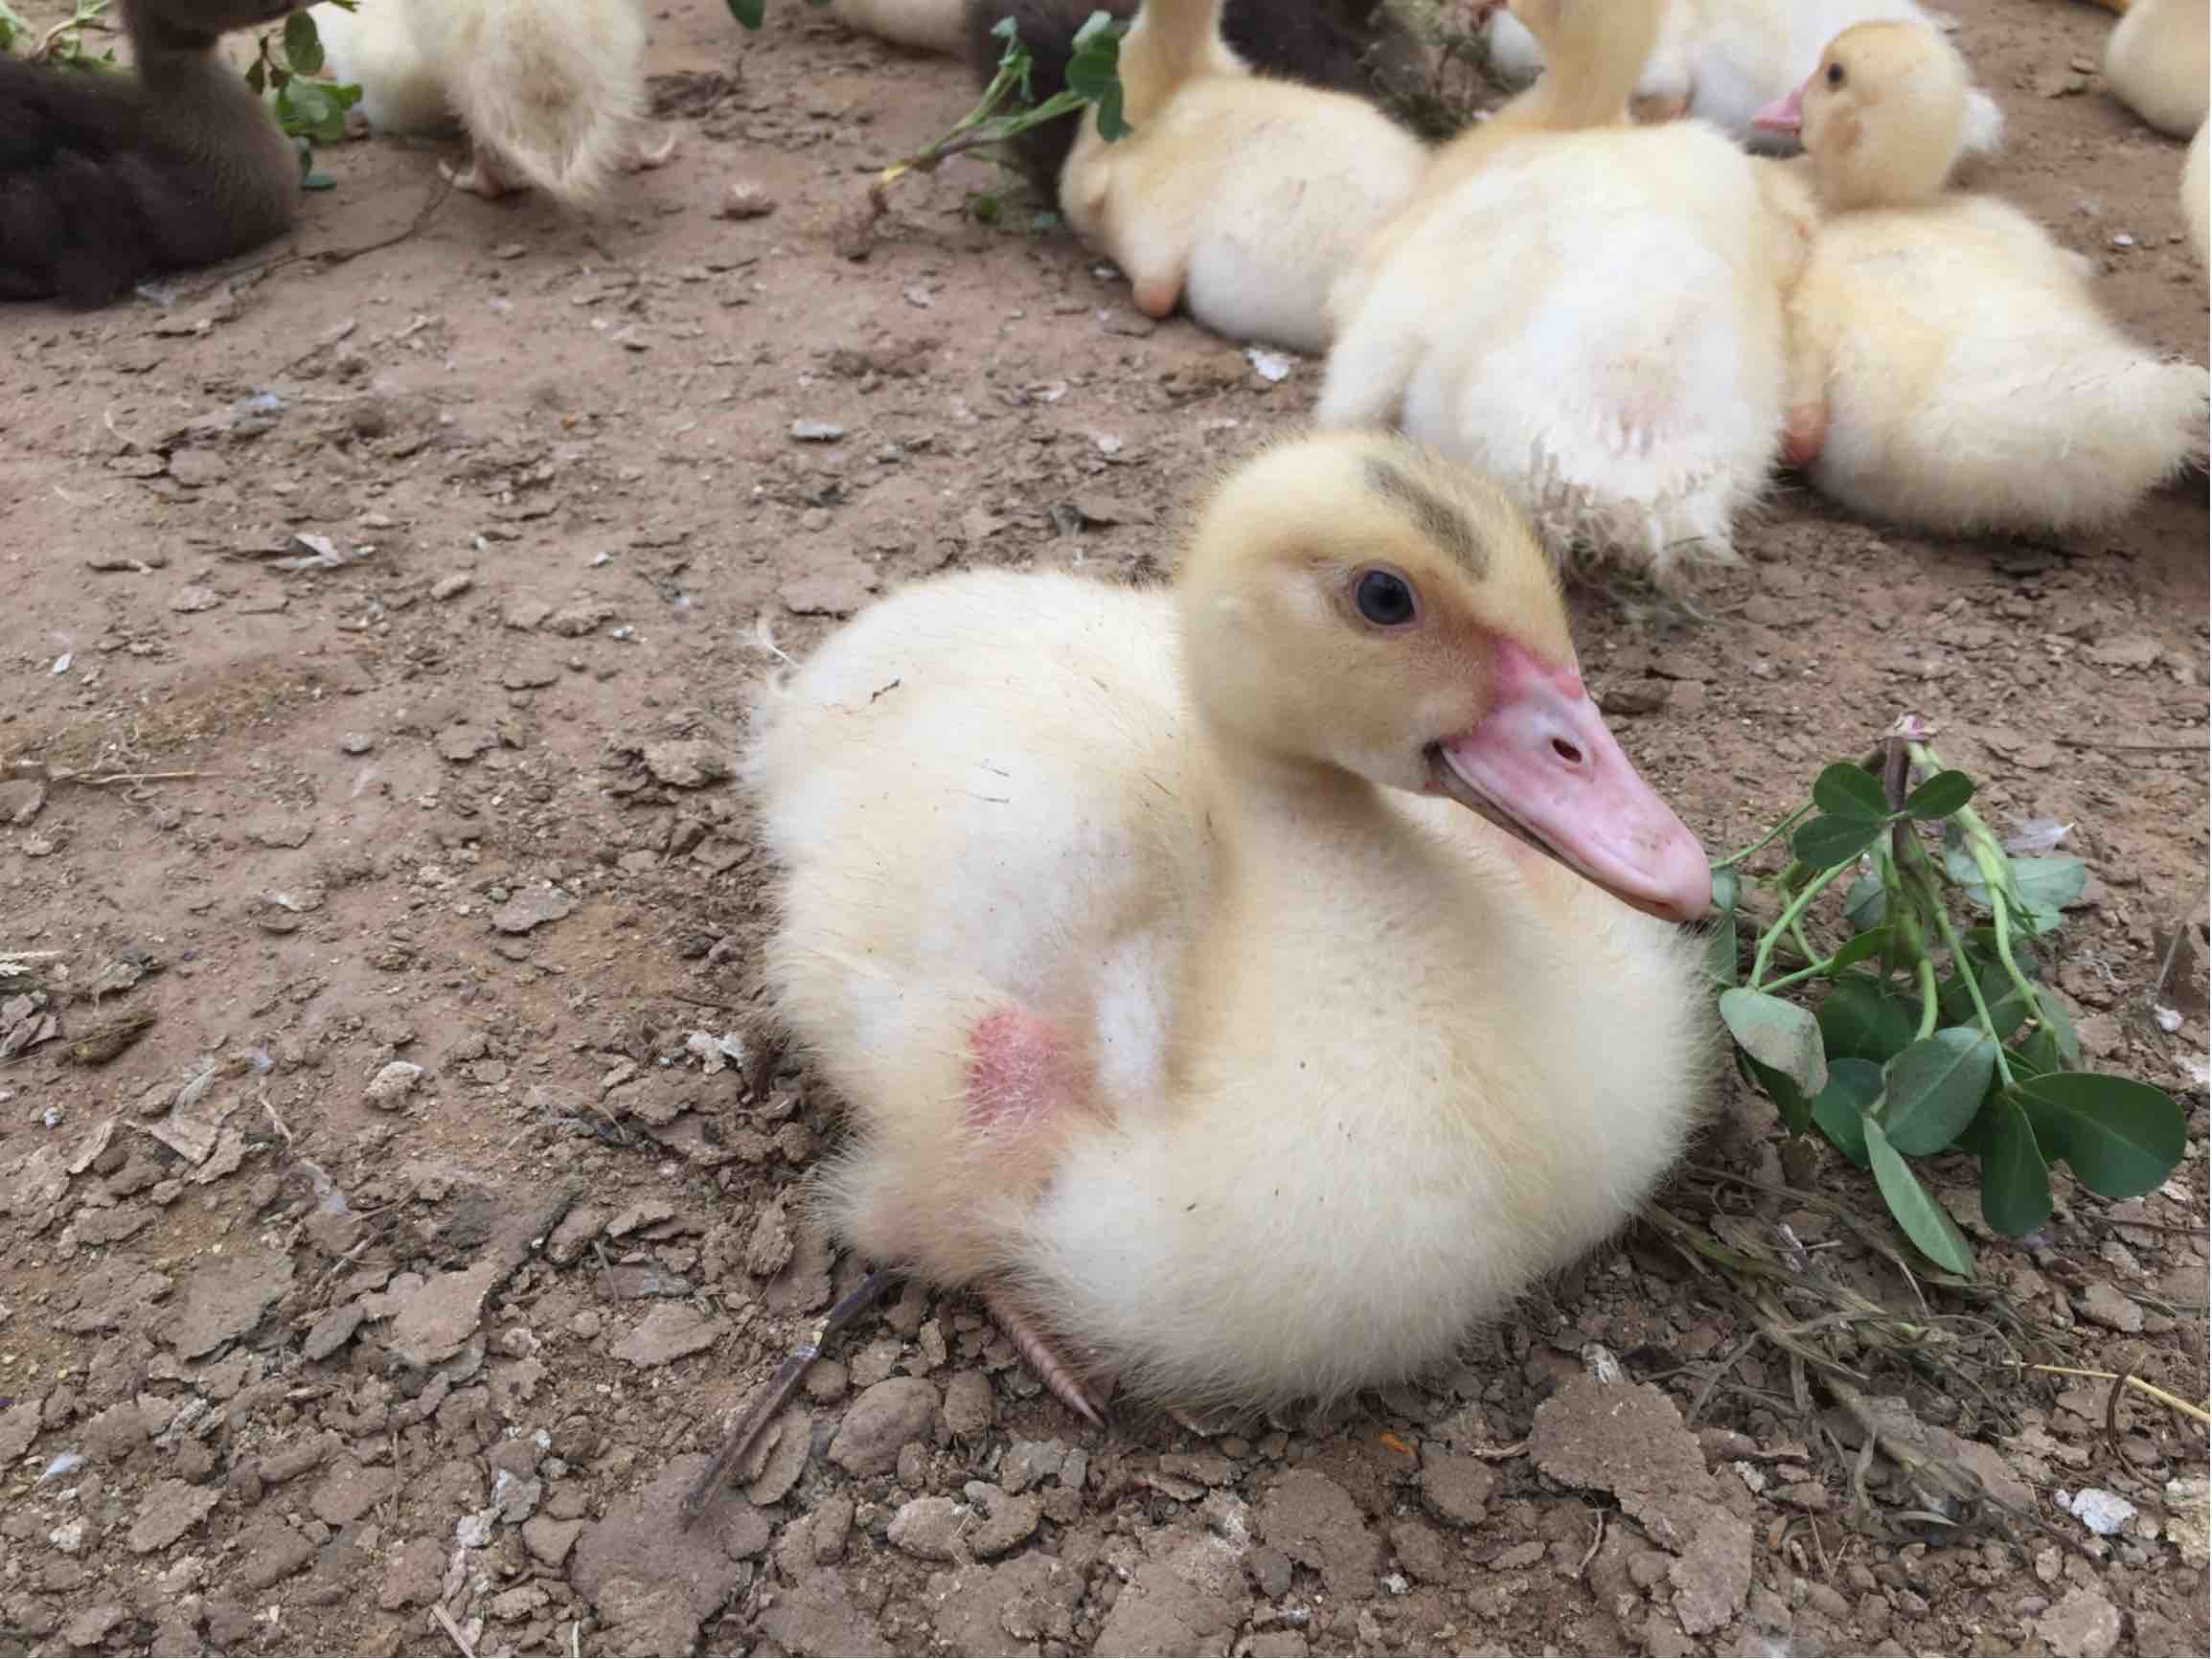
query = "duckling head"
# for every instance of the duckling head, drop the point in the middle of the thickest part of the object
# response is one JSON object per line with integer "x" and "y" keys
{"x": 1354, "y": 603}
{"x": 1884, "y": 116}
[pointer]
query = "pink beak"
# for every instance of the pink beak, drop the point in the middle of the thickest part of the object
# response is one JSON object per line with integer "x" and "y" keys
{"x": 1544, "y": 764}
{"x": 1783, "y": 115}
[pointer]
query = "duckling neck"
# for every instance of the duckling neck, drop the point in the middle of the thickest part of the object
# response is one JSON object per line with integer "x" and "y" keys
{"x": 1589, "y": 76}
{"x": 1172, "y": 42}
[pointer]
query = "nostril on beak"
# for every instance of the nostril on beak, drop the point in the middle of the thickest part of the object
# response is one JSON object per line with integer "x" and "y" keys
{"x": 1566, "y": 752}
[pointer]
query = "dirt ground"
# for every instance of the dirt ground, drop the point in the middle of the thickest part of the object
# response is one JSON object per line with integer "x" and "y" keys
{"x": 302, "y": 1350}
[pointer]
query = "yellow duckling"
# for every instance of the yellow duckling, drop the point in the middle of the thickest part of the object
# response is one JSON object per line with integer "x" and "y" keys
{"x": 1952, "y": 369}
{"x": 1248, "y": 986}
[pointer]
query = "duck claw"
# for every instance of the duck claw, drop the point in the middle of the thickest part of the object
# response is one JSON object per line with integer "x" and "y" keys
{"x": 1038, "y": 1352}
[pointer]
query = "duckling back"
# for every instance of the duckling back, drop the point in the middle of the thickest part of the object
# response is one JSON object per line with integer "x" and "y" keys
{"x": 2159, "y": 62}
{"x": 1595, "y": 320}
{"x": 1972, "y": 381}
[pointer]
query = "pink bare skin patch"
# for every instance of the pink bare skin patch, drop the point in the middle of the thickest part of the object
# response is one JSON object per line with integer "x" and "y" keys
{"x": 1156, "y": 296}
{"x": 1023, "y": 1072}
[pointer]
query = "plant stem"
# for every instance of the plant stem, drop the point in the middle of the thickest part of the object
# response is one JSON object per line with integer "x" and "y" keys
{"x": 1798, "y": 905}
{"x": 1924, "y": 970}
{"x": 1989, "y": 860}
{"x": 1735, "y": 859}
{"x": 1965, "y": 977}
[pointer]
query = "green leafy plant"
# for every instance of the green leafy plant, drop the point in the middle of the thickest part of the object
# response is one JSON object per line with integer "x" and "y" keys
{"x": 1093, "y": 77}
{"x": 63, "y": 45}
{"x": 1931, "y": 1035}
{"x": 311, "y": 111}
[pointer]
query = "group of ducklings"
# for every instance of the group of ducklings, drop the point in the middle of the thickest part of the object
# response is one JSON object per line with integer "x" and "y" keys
{"x": 1245, "y": 986}
{"x": 1628, "y": 324}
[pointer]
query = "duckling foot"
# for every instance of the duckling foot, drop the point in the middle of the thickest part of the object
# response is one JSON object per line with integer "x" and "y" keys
{"x": 483, "y": 176}
{"x": 643, "y": 155}
{"x": 1804, "y": 433}
{"x": 1156, "y": 296}
{"x": 1042, "y": 1357}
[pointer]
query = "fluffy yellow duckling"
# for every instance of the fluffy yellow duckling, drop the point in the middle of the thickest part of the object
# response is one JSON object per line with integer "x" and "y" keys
{"x": 1248, "y": 986}
{"x": 2159, "y": 62}
{"x": 1586, "y": 310}
{"x": 1240, "y": 197}
{"x": 1952, "y": 368}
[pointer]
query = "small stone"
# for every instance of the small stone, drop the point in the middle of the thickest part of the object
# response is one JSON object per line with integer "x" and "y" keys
{"x": 885, "y": 1419}
{"x": 357, "y": 743}
{"x": 531, "y": 908}
{"x": 452, "y": 586}
{"x": 833, "y": 1524}
{"x": 1456, "y": 1487}
{"x": 807, "y": 431}
{"x": 172, "y": 1510}
{"x": 672, "y": 1331}
{"x": 2085, "y": 1622}
{"x": 746, "y": 200}
{"x": 1007, "y": 1522}
{"x": 2105, "y": 1306}
{"x": 348, "y": 1492}
{"x": 388, "y": 1090}
{"x": 969, "y": 1408}
{"x": 195, "y": 597}
{"x": 930, "y": 1529}
{"x": 550, "y": 1541}
{"x": 689, "y": 763}
{"x": 1029, "y": 1461}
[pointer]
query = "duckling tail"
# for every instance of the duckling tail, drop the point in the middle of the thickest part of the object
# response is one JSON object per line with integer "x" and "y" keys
{"x": 556, "y": 90}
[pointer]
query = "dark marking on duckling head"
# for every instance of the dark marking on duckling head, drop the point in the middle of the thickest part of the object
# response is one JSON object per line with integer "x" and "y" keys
{"x": 1439, "y": 519}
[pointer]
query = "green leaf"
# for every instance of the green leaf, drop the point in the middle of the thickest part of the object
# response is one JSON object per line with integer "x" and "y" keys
{"x": 2121, "y": 1138}
{"x": 1721, "y": 951}
{"x": 2052, "y": 1010}
{"x": 1778, "y": 1035}
{"x": 1940, "y": 796}
{"x": 318, "y": 181}
{"x": 1094, "y": 73}
{"x": 2016, "y": 1183}
{"x": 2008, "y": 1010}
{"x": 1854, "y": 1087}
{"x": 1934, "y": 1088}
{"x": 1860, "y": 1020}
{"x": 1847, "y": 792}
{"x": 1865, "y": 903}
{"x": 1728, "y": 887}
{"x": 1829, "y": 841}
{"x": 748, "y": 13}
{"x": 1926, "y": 1222}
{"x": 2046, "y": 886}
{"x": 1859, "y": 948}
{"x": 258, "y": 76}
{"x": 1791, "y": 1103}
{"x": 302, "y": 43}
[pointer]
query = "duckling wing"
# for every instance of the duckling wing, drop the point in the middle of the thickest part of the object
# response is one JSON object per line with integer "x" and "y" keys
{"x": 976, "y": 793}
{"x": 1976, "y": 385}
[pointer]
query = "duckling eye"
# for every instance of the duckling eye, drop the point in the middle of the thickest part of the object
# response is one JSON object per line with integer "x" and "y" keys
{"x": 1836, "y": 75}
{"x": 1384, "y": 598}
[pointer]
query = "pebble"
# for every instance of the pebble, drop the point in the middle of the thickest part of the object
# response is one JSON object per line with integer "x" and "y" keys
{"x": 357, "y": 743}
{"x": 452, "y": 586}
{"x": 883, "y": 1420}
{"x": 930, "y": 1529}
{"x": 817, "y": 431}
{"x": 746, "y": 200}
{"x": 391, "y": 1086}
{"x": 969, "y": 1408}
{"x": 2105, "y": 1306}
